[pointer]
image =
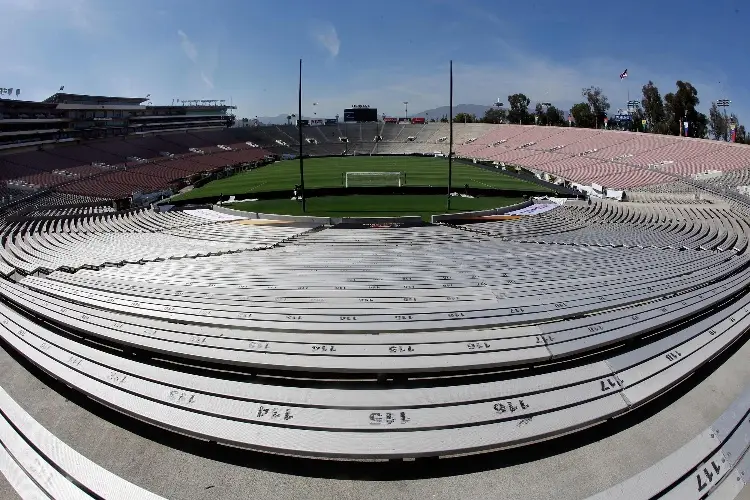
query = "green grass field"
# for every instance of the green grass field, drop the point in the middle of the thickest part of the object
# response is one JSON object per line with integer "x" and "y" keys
{"x": 327, "y": 172}
{"x": 375, "y": 206}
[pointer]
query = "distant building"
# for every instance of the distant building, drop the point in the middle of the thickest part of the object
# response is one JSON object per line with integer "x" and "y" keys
{"x": 67, "y": 117}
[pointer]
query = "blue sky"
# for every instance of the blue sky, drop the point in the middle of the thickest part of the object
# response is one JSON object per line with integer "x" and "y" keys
{"x": 377, "y": 53}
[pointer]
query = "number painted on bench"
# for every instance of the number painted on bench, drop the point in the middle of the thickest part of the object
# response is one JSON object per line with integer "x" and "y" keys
{"x": 169, "y": 308}
{"x": 324, "y": 348}
{"x": 401, "y": 348}
{"x": 181, "y": 397}
{"x": 560, "y": 305}
{"x": 402, "y": 317}
{"x": 74, "y": 361}
{"x": 347, "y": 318}
{"x": 292, "y": 317}
{"x": 301, "y": 288}
{"x": 449, "y": 298}
{"x": 635, "y": 317}
{"x": 388, "y": 418}
{"x": 410, "y": 299}
{"x": 511, "y": 282}
{"x": 511, "y": 406}
{"x": 542, "y": 339}
{"x": 673, "y": 356}
{"x": 609, "y": 383}
{"x": 340, "y": 288}
{"x": 373, "y": 287}
{"x": 516, "y": 310}
{"x": 257, "y": 345}
{"x": 274, "y": 412}
{"x": 595, "y": 328}
{"x": 712, "y": 332}
{"x": 366, "y": 300}
{"x": 709, "y": 476}
{"x": 406, "y": 278}
{"x": 456, "y": 315}
{"x": 409, "y": 287}
{"x": 244, "y": 315}
{"x": 197, "y": 339}
{"x": 443, "y": 277}
{"x": 116, "y": 378}
{"x": 475, "y": 346}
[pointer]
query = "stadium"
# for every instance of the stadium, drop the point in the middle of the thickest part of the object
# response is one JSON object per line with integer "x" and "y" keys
{"x": 583, "y": 303}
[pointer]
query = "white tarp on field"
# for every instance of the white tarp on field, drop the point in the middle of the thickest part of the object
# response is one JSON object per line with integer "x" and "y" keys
{"x": 534, "y": 209}
{"x": 212, "y": 215}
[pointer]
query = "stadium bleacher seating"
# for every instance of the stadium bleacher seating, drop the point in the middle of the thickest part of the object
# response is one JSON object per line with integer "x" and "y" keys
{"x": 618, "y": 160}
{"x": 289, "y": 337}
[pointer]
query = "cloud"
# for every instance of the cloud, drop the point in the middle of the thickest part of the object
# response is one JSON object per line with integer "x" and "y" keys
{"x": 209, "y": 83}
{"x": 205, "y": 65}
{"x": 80, "y": 15}
{"x": 325, "y": 34}
{"x": 188, "y": 47}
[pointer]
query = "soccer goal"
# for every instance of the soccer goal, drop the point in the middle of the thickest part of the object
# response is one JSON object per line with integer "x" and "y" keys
{"x": 354, "y": 179}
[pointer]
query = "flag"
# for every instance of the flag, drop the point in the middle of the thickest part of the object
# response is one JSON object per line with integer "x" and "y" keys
{"x": 62, "y": 87}
{"x": 18, "y": 91}
{"x": 624, "y": 75}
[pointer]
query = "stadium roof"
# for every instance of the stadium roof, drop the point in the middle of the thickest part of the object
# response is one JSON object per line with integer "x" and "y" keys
{"x": 20, "y": 103}
{"x": 93, "y": 99}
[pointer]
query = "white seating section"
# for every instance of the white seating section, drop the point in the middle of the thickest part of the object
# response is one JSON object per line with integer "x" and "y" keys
{"x": 232, "y": 330}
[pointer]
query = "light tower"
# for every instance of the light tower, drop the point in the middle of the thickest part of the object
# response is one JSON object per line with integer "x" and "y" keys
{"x": 724, "y": 103}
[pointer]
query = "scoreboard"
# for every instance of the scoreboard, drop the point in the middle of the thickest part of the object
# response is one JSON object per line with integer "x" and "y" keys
{"x": 361, "y": 114}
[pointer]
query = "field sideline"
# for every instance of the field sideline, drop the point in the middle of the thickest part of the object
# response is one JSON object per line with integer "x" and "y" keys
{"x": 375, "y": 206}
{"x": 327, "y": 172}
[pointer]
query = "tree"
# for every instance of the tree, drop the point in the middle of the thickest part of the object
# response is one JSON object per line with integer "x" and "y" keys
{"x": 680, "y": 106}
{"x": 653, "y": 108}
{"x": 519, "y": 109}
{"x": 717, "y": 123}
{"x": 554, "y": 117}
{"x": 598, "y": 104}
{"x": 582, "y": 115}
{"x": 444, "y": 119}
{"x": 495, "y": 115}
{"x": 740, "y": 136}
{"x": 465, "y": 118}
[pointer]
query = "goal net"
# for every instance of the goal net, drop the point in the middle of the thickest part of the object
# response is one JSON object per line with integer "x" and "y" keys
{"x": 354, "y": 179}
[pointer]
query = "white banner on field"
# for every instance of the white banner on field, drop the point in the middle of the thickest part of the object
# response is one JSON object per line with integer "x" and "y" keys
{"x": 204, "y": 213}
{"x": 534, "y": 209}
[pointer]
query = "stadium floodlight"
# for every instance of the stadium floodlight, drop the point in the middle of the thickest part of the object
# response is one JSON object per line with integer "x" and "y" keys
{"x": 406, "y": 108}
{"x": 373, "y": 179}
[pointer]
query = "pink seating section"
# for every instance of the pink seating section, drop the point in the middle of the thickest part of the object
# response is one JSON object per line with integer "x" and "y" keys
{"x": 121, "y": 180}
{"x": 609, "y": 158}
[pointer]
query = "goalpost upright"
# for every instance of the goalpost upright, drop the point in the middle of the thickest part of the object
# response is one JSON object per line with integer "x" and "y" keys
{"x": 450, "y": 144}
